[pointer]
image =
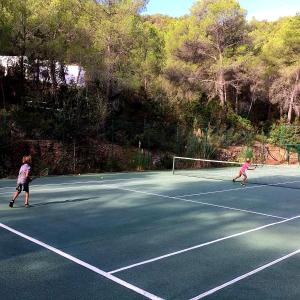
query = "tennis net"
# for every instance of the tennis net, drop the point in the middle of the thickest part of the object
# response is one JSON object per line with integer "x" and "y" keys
{"x": 274, "y": 175}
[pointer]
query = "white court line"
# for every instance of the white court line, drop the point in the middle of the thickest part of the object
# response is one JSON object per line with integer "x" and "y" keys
{"x": 82, "y": 263}
{"x": 76, "y": 182}
{"x": 242, "y": 188}
{"x": 222, "y": 191}
{"x": 170, "y": 197}
{"x": 245, "y": 275}
{"x": 194, "y": 201}
{"x": 37, "y": 187}
{"x": 100, "y": 182}
{"x": 201, "y": 245}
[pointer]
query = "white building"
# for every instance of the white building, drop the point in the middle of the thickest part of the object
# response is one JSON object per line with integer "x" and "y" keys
{"x": 74, "y": 74}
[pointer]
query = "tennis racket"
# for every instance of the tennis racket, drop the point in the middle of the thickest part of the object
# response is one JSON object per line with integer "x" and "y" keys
{"x": 43, "y": 173}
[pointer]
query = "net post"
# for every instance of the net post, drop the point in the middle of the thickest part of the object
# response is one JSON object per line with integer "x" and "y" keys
{"x": 173, "y": 169}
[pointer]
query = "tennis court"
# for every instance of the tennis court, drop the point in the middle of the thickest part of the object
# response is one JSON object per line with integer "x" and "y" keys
{"x": 150, "y": 235}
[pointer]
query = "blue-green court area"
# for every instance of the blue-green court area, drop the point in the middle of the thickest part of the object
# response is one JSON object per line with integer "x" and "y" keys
{"x": 149, "y": 235}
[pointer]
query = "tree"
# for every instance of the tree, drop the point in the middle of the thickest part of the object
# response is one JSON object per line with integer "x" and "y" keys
{"x": 6, "y": 25}
{"x": 114, "y": 24}
{"x": 282, "y": 53}
{"x": 216, "y": 37}
{"x": 147, "y": 55}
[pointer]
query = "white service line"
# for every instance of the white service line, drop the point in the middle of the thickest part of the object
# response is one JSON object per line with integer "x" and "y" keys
{"x": 222, "y": 191}
{"x": 207, "y": 293}
{"x": 82, "y": 263}
{"x": 201, "y": 245}
{"x": 194, "y": 201}
{"x": 37, "y": 187}
{"x": 242, "y": 188}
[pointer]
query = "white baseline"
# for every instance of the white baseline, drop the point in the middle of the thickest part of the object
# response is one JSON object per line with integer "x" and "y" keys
{"x": 82, "y": 263}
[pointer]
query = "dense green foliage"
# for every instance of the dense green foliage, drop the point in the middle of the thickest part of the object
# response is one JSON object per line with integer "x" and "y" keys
{"x": 189, "y": 85}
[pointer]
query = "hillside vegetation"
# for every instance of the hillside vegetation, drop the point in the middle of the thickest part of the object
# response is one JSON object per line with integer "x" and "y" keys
{"x": 153, "y": 86}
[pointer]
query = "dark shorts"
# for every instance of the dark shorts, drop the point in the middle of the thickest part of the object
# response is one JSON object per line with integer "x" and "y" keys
{"x": 23, "y": 187}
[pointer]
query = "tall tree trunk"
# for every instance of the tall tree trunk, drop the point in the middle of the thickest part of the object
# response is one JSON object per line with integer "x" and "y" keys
{"x": 251, "y": 105}
{"x": 291, "y": 104}
{"x": 53, "y": 75}
{"x": 236, "y": 102}
{"x": 79, "y": 75}
{"x": 62, "y": 73}
{"x": 292, "y": 97}
{"x": 221, "y": 88}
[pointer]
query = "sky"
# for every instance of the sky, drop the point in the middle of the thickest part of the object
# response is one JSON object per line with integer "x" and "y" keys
{"x": 260, "y": 9}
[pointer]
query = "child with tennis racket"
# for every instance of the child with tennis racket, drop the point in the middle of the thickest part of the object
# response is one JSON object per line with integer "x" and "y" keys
{"x": 242, "y": 173}
{"x": 23, "y": 181}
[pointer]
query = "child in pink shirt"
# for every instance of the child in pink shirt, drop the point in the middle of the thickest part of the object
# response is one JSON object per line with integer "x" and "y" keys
{"x": 242, "y": 172}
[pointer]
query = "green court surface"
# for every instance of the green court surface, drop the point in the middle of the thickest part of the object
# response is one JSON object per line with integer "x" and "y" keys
{"x": 149, "y": 236}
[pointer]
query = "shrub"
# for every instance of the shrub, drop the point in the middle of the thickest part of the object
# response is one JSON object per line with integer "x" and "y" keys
{"x": 199, "y": 147}
{"x": 282, "y": 134}
{"x": 247, "y": 152}
{"x": 141, "y": 160}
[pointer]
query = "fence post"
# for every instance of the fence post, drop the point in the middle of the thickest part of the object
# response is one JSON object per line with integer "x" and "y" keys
{"x": 177, "y": 140}
{"x": 205, "y": 141}
{"x": 112, "y": 143}
{"x": 74, "y": 156}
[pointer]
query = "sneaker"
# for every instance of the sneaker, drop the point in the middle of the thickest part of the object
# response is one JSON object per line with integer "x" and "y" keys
{"x": 243, "y": 184}
{"x": 26, "y": 205}
{"x": 11, "y": 203}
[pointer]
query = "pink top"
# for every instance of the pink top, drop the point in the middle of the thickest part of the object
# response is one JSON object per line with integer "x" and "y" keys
{"x": 245, "y": 167}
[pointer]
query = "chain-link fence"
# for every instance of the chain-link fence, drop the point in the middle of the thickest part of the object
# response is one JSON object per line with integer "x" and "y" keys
{"x": 118, "y": 146}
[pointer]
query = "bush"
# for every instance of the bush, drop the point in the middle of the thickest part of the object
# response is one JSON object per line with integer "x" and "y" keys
{"x": 166, "y": 162}
{"x": 247, "y": 152}
{"x": 239, "y": 130}
{"x": 240, "y": 122}
{"x": 141, "y": 161}
{"x": 199, "y": 147}
{"x": 282, "y": 134}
